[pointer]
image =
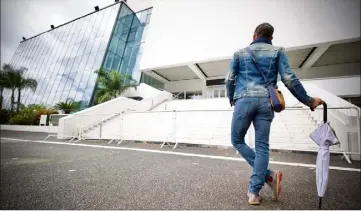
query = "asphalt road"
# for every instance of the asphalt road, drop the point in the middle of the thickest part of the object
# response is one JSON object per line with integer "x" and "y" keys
{"x": 49, "y": 176}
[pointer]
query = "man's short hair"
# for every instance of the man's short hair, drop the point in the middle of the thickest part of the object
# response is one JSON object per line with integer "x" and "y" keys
{"x": 264, "y": 30}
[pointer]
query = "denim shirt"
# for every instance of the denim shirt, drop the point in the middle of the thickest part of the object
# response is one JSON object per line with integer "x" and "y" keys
{"x": 244, "y": 79}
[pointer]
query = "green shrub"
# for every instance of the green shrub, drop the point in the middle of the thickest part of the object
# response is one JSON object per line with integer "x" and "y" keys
{"x": 22, "y": 119}
{"x": 30, "y": 115}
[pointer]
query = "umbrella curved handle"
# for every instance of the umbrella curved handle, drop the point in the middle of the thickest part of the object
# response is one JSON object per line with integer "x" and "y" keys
{"x": 324, "y": 112}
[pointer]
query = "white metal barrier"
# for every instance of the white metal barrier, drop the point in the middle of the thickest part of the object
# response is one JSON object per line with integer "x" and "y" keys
{"x": 73, "y": 126}
{"x": 346, "y": 123}
{"x": 290, "y": 128}
{"x": 53, "y": 123}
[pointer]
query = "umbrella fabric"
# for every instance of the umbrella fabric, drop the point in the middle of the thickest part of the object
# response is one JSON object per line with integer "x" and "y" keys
{"x": 324, "y": 136}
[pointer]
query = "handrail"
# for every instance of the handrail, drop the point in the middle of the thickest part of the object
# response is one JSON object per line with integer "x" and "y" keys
{"x": 173, "y": 95}
{"x": 178, "y": 94}
{"x": 301, "y": 108}
{"x": 287, "y": 108}
{"x": 195, "y": 110}
{"x": 99, "y": 121}
{"x": 339, "y": 119}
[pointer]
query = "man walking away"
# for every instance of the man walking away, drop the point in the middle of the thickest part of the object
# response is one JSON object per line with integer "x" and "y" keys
{"x": 247, "y": 91}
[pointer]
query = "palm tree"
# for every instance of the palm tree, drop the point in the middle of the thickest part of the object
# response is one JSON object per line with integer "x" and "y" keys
{"x": 12, "y": 78}
{"x": 112, "y": 84}
{"x": 9, "y": 80}
{"x": 24, "y": 83}
{"x": 68, "y": 106}
{"x": 3, "y": 85}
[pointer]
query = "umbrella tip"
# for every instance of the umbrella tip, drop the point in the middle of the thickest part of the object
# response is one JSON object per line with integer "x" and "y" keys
{"x": 319, "y": 203}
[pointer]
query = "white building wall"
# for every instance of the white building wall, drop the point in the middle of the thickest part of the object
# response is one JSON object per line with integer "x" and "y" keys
{"x": 185, "y": 85}
{"x": 347, "y": 86}
{"x": 182, "y": 31}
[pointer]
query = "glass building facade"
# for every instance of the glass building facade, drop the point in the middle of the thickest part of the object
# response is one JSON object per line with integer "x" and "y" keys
{"x": 64, "y": 60}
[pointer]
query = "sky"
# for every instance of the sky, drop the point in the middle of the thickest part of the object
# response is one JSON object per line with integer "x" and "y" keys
{"x": 26, "y": 18}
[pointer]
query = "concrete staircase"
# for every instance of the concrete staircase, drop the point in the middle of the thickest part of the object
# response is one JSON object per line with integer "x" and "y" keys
{"x": 95, "y": 125}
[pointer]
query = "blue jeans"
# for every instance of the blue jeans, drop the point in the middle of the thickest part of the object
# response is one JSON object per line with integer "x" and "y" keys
{"x": 259, "y": 112}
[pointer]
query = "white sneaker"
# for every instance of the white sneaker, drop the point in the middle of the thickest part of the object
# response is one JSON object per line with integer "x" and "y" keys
{"x": 274, "y": 182}
{"x": 253, "y": 199}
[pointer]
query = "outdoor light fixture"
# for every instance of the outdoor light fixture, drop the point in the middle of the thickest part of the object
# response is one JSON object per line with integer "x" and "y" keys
{"x": 24, "y": 38}
{"x": 52, "y": 26}
{"x": 96, "y": 8}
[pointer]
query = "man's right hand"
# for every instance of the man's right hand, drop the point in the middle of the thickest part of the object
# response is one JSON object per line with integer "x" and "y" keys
{"x": 316, "y": 102}
{"x": 231, "y": 102}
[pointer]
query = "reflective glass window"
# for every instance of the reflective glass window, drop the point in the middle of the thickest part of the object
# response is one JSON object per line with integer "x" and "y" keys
{"x": 88, "y": 47}
{"x": 69, "y": 81}
{"x": 62, "y": 83}
{"x": 99, "y": 19}
{"x": 131, "y": 36}
{"x": 103, "y": 44}
{"x": 108, "y": 60}
{"x": 64, "y": 96}
{"x": 120, "y": 48}
{"x": 90, "y": 61}
{"x": 124, "y": 34}
{"x": 124, "y": 65}
{"x": 79, "y": 96}
{"x": 98, "y": 60}
{"x": 77, "y": 79}
{"x": 56, "y": 83}
{"x": 84, "y": 81}
{"x": 116, "y": 62}
{"x": 76, "y": 64}
{"x": 81, "y": 48}
{"x": 50, "y": 99}
{"x": 119, "y": 29}
{"x": 113, "y": 44}
{"x": 80, "y": 36}
{"x": 96, "y": 45}
{"x": 72, "y": 94}
{"x": 74, "y": 38}
{"x": 69, "y": 66}
{"x": 148, "y": 18}
{"x": 63, "y": 60}
{"x": 75, "y": 50}
{"x": 83, "y": 62}
{"x": 57, "y": 97}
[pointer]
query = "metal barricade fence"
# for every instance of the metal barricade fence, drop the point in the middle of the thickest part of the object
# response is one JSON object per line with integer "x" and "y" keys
{"x": 54, "y": 125}
{"x": 290, "y": 129}
{"x": 85, "y": 126}
{"x": 346, "y": 123}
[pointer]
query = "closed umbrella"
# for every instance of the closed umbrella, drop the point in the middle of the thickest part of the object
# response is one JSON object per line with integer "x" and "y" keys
{"x": 324, "y": 136}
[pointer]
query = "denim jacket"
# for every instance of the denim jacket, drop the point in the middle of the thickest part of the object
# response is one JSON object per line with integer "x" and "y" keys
{"x": 244, "y": 79}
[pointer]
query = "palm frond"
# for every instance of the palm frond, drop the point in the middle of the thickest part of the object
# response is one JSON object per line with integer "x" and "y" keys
{"x": 29, "y": 83}
{"x": 8, "y": 67}
{"x": 104, "y": 97}
{"x": 112, "y": 84}
{"x": 68, "y": 106}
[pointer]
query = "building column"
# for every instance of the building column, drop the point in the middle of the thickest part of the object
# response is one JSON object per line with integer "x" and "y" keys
{"x": 316, "y": 54}
{"x": 201, "y": 75}
{"x": 204, "y": 89}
